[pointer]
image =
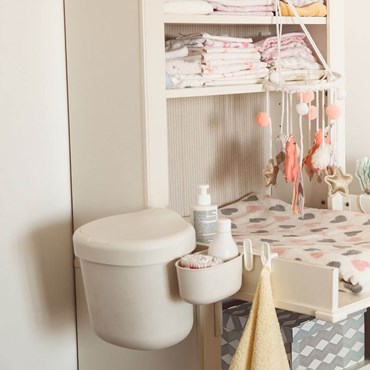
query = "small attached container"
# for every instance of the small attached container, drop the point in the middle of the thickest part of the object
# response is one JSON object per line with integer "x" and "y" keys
{"x": 129, "y": 275}
{"x": 210, "y": 284}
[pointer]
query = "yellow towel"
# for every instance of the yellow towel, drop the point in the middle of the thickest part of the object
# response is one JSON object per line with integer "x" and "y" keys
{"x": 261, "y": 346}
{"x": 312, "y": 10}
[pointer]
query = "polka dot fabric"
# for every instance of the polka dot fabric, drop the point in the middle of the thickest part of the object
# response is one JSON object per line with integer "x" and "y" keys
{"x": 330, "y": 238}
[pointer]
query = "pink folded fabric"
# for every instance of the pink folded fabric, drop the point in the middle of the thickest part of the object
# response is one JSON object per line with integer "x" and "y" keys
{"x": 231, "y": 68}
{"x": 286, "y": 39}
{"x": 249, "y": 8}
{"x": 246, "y": 14}
{"x": 301, "y": 51}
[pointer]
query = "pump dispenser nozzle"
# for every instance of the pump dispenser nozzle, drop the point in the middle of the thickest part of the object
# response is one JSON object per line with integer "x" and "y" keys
{"x": 204, "y": 199}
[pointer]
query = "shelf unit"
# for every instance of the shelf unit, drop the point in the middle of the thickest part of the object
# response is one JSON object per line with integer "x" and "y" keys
{"x": 156, "y": 102}
{"x": 228, "y": 20}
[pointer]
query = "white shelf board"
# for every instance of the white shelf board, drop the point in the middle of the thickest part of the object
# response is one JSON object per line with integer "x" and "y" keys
{"x": 214, "y": 90}
{"x": 236, "y": 19}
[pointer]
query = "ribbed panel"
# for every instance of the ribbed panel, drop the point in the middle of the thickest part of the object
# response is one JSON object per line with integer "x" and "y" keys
{"x": 215, "y": 140}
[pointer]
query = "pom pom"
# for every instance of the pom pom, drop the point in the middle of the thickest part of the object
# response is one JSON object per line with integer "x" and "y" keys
{"x": 263, "y": 119}
{"x": 302, "y": 109}
{"x": 274, "y": 77}
{"x": 321, "y": 158}
{"x": 306, "y": 97}
{"x": 333, "y": 111}
{"x": 312, "y": 113}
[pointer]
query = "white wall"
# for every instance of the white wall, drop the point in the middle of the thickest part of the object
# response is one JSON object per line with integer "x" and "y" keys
{"x": 357, "y": 41}
{"x": 37, "y": 324}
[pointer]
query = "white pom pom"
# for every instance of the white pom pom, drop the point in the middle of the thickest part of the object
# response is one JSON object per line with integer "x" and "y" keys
{"x": 341, "y": 93}
{"x": 302, "y": 109}
{"x": 274, "y": 77}
{"x": 321, "y": 158}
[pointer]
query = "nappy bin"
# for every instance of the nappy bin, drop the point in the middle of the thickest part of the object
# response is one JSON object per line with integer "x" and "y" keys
{"x": 129, "y": 276}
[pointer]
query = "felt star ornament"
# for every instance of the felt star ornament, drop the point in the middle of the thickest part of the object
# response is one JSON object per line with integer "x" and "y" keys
{"x": 270, "y": 173}
{"x": 338, "y": 182}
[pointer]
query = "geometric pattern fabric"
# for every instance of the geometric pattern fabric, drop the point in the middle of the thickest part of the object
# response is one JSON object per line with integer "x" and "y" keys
{"x": 310, "y": 344}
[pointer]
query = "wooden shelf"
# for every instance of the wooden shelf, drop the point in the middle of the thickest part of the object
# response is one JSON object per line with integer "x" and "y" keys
{"x": 214, "y": 91}
{"x": 235, "y": 19}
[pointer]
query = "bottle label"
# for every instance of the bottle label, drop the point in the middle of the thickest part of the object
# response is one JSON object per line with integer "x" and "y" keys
{"x": 205, "y": 225}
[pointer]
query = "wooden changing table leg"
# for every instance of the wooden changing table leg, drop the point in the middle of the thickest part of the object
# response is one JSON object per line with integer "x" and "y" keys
{"x": 209, "y": 329}
{"x": 367, "y": 334}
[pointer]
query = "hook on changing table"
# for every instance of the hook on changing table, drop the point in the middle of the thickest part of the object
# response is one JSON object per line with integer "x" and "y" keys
{"x": 266, "y": 254}
{"x": 248, "y": 254}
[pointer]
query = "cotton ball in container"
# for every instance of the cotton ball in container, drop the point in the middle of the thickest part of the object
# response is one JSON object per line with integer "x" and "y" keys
{"x": 312, "y": 113}
{"x": 333, "y": 111}
{"x": 263, "y": 119}
{"x": 321, "y": 158}
{"x": 302, "y": 109}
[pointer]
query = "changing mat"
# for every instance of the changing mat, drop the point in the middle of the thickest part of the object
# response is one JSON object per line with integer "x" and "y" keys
{"x": 333, "y": 238}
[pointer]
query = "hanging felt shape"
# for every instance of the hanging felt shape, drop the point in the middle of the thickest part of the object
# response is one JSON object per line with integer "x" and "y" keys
{"x": 307, "y": 161}
{"x": 281, "y": 141}
{"x": 270, "y": 174}
{"x": 291, "y": 161}
{"x": 338, "y": 182}
{"x": 292, "y": 169}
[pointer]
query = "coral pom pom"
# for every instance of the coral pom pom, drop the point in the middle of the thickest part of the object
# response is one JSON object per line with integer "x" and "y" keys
{"x": 306, "y": 97}
{"x": 263, "y": 119}
{"x": 312, "y": 113}
{"x": 302, "y": 109}
{"x": 333, "y": 111}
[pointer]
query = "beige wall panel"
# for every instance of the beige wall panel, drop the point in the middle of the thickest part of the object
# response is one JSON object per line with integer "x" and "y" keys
{"x": 215, "y": 140}
{"x": 105, "y": 107}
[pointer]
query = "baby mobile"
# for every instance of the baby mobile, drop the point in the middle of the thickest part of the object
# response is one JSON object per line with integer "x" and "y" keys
{"x": 315, "y": 101}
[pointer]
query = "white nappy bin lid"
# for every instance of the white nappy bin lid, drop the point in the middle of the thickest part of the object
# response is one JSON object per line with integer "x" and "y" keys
{"x": 146, "y": 237}
{"x": 129, "y": 276}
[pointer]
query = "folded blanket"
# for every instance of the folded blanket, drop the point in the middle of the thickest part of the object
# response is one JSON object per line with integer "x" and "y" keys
{"x": 183, "y": 81}
{"x": 300, "y": 3}
{"x": 175, "y": 50}
{"x": 267, "y": 53}
{"x": 231, "y": 56}
{"x": 246, "y": 14}
{"x": 312, "y": 10}
{"x": 236, "y": 70}
{"x": 245, "y": 2}
{"x": 187, "y": 7}
{"x": 301, "y": 51}
{"x": 296, "y": 63}
{"x": 272, "y": 41}
{"x": 205, "y": 39}
{"x": 249, "y": 62}
{"x": 248, "y": 8}
{"x": 298, "y": 75}
{"x": 213, "y": 50}
{"x": 238, "y": 81}
{"x": 184, "y": 66}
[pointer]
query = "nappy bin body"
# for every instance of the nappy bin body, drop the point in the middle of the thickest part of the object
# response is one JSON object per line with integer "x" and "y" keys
{"x": 129, "y": 276}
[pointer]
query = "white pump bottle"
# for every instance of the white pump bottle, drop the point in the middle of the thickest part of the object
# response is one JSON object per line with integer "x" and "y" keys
{"x": 204, "y": 216}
